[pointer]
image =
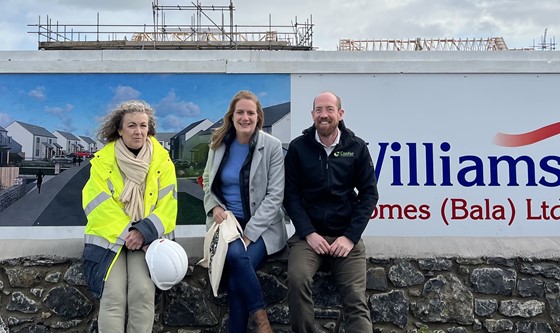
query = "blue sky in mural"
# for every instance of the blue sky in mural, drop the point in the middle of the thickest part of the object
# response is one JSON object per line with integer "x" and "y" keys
{"x": 76, "y": 102}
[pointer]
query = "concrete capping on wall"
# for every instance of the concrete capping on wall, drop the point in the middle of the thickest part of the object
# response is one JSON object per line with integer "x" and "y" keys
{"x": 289, "y": 62}
{"x": 68, "y": 242}
{"x": 16, "y": 242}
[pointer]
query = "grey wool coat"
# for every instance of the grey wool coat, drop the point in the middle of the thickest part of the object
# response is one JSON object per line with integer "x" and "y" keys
{"x": 266, "y": 191}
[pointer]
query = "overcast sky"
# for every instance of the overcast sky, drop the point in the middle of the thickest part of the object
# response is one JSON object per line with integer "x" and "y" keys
{"x": 520, "y": 22}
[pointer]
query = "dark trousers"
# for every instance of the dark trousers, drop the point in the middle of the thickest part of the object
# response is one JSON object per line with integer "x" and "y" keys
{"x": 349, "y": 273}
{"x": 244, "y": 290}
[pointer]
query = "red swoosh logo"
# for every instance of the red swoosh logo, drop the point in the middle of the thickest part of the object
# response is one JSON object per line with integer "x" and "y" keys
{"x": 525, "y": 139}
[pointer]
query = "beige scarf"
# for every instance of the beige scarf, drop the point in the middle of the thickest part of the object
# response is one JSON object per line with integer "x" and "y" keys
{"x": 134, "y": 170}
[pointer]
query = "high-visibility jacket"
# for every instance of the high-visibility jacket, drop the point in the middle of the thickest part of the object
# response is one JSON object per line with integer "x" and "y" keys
{"x": 108, "y": 224}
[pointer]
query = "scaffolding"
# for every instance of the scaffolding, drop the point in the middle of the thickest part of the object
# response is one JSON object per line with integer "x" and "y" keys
{"x": 211, "y": 27}
{"x": 545, "y": 45}
{"x": 419, "y": 44}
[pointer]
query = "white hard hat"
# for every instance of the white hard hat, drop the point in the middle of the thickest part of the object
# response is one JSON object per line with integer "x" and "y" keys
{"x": 167, "y": 262}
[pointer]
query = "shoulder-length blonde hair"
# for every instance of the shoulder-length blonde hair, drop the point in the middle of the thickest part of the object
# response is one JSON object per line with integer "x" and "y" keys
{"x": 113, "y": 122}
{"x": 220, "y": 132}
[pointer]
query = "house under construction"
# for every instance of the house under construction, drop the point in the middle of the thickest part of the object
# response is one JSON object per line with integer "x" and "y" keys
{"x": 439, "y": 44}
{"x": 419, "y": 44}
{"x": 212, "y": 28}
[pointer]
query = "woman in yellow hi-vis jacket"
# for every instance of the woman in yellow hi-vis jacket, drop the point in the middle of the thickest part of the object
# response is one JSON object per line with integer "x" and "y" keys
{"x": 130, "y": 200}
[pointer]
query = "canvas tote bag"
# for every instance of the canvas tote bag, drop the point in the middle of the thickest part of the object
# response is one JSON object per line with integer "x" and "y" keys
{"x": 215, "y": 248}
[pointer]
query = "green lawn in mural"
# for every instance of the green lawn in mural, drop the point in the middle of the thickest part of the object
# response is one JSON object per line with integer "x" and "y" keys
{"x": 191, "y": 210}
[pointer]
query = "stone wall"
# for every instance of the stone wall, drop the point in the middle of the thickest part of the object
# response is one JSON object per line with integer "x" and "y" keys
{"x": 12, "y": 194}
{"x": 454, "y": 295}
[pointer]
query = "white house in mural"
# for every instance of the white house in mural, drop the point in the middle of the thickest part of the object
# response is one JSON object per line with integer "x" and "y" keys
{"x": 37, "y": 142}
{"x": 69, "y": 142}
{"x": 88, "y": 143}
{"x": 99, "y": 144}
{"x": 10, "y": 149}
{"x": 277, "y": 122}
{"x": 164, "y": 138}
{"x": 4, "y": 146}
{"x": 179, "y": 146}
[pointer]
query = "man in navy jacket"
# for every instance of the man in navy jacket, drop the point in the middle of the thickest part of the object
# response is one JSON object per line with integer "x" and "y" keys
{"x": 330, "y": 195}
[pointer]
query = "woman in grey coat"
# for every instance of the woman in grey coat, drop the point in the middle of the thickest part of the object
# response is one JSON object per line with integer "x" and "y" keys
{"x": 244, "y": 174}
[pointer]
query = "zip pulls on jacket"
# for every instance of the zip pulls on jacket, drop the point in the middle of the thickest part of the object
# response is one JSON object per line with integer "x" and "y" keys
{"x": 325, "y": 166}
{"x": 111, "y": 187}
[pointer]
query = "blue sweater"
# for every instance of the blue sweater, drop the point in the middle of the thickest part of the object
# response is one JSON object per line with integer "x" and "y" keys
{"x": 230, "y": 177}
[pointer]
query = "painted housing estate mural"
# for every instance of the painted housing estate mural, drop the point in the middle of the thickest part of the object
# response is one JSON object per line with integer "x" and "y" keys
{"x": 43, "y": 115}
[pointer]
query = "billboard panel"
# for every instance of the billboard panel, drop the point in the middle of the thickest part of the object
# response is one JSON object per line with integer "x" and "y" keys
{"x": 455, "y": 154}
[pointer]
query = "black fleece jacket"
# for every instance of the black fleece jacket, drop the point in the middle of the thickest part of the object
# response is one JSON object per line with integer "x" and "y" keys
{"x": 320, "y": 191}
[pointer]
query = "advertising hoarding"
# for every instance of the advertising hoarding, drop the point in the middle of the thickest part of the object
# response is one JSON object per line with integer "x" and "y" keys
{"x": 455, "y": 154}
{"x": 431, "y": 119}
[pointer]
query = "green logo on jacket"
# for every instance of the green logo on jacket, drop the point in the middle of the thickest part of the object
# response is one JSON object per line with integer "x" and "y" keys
{"x": 343, "y": 154}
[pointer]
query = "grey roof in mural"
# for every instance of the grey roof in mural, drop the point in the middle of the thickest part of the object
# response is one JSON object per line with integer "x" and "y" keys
{"x": 67, "y": 135}
{"x": 274, "y": 113}
{"x": 36, "y": 130}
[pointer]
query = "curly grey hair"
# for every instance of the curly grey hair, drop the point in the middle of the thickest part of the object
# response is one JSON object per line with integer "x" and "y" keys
{"x": 112, "y": 123}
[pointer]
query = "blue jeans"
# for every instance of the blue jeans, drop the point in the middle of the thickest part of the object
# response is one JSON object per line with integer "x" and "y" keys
{"x": 244, "y": 290}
